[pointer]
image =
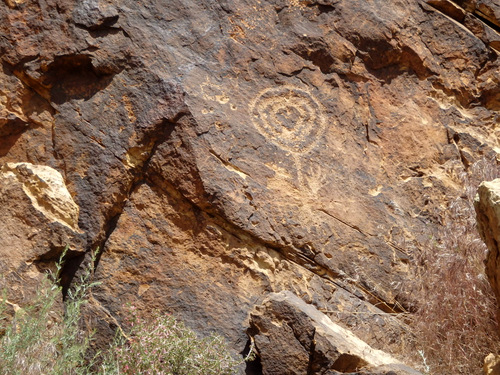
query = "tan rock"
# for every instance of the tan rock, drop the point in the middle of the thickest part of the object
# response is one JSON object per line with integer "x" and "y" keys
{"x": 38, "y": 219}
{"x": 490, "y": 10}
{"x": 449, "y": 8}
{"x": 491, "y": 364}
{"x": 45, "y": 188}
{"x": 292, "y": 337}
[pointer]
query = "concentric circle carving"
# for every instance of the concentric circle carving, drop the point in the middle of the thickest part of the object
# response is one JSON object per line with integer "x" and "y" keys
{"x": 289, "y": 117}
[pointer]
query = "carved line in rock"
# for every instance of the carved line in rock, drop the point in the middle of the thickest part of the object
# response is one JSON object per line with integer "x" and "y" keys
{"x": 288, "y": 116}
{"x": 291, "y": 118}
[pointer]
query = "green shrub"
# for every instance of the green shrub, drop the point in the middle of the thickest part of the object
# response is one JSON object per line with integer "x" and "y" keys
{"x": 164, "y": 345}
{"x": 37, "y": 340}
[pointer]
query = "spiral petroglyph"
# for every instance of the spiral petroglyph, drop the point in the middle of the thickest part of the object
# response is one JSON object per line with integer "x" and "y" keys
{"x": 290, "y": 117}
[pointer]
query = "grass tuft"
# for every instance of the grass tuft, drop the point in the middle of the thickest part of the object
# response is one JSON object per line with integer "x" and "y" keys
{"x": 37, "y": 340}
{"x": 163, "y": 345}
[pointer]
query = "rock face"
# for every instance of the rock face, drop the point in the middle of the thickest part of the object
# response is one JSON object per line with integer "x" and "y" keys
{"x": 293, "y": 337}
{"x": 487, "y": 205}
{"x": 38, "y": 219}
{"x": 219, "y": 151}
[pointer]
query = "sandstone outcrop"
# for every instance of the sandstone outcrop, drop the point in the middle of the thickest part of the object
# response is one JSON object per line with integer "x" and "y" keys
{"x": 38, "y": 219}
{"x": 292, "y": 337}
{"x": 220, "y": 151}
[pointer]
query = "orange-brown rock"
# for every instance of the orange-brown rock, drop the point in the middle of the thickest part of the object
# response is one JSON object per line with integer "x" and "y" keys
{"x": 38, "y": 219}
{"x": 293, "y": 337}
{"x": 219, "y": 151}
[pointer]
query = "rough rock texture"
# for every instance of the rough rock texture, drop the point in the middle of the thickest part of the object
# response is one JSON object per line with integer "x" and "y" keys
{"x": 481, "y": 17}
{"x": 222, "y": 150}
{"x": 487, "y": 205}
{"x": 293, "y": 337}
{"x": 38, "y": 219}
{"x": 492, "y": 364}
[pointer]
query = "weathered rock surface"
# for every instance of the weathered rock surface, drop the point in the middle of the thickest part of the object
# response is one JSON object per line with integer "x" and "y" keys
{"x": 492, "y": 364}
{"x": 487, "y": 205}
{"x": 292, "y": 337}
{"x": 38, "y": 219}
{"x": 219, "y": 151}
{"x": 482, "y": 18}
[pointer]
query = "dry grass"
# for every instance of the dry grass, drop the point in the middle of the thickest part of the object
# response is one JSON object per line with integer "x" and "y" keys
{"x": 161, "y": 345}
{"x": 35, "y": 343}
{"x": 455, "y": 311}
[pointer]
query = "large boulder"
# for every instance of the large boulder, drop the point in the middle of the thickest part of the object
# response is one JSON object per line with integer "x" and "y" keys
{"x": 293, "y": 337}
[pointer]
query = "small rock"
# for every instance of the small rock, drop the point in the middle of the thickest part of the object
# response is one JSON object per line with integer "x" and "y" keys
{"x": 492, "y": 364}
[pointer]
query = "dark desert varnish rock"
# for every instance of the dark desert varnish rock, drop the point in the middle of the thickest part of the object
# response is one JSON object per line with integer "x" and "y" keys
{"x": 222, "y": 150}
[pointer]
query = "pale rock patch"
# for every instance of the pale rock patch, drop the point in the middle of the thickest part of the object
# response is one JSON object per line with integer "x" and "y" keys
{"x": 46, "y": 189}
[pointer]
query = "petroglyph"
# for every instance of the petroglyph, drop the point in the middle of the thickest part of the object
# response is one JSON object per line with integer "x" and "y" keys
{"x": 315, "y": 177}
{"x": 290, "y": 117}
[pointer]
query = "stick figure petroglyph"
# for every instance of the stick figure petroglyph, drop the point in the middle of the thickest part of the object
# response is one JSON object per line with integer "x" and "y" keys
{"x": 291, "y": 118}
